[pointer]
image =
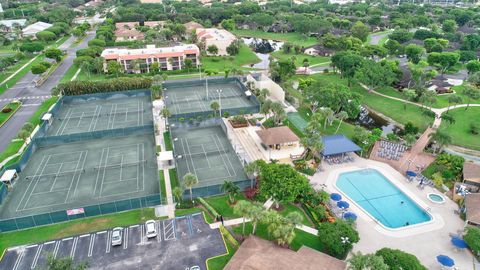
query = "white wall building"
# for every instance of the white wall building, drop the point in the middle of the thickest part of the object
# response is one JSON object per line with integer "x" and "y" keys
{"x": 33, "y": 29}
{"x": 218, "y": 37}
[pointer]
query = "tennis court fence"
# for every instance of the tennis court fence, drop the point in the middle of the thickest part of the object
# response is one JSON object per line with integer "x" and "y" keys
{"x": 26, "y": 222}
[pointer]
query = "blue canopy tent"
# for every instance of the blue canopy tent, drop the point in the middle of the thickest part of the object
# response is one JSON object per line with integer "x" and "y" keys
{"x": 335, "y": 197}
{"x": 445, "y": 260}
{"x": 338, "y": 144}
{"x": 458, "y": 242}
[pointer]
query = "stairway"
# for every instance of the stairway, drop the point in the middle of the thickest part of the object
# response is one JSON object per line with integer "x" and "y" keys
{"x": 249, "y": 144}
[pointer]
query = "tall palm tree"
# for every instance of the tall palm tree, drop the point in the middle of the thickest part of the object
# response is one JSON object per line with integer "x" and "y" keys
{"x": 215, "y": 106}
{"x": 255, "y": 214}
{"x": 306, "y": 64}
{"x": 441, "y": 138}
{"x": 453, "y": 99}
{"x": 190, "y": 180}
{"x": 252, "y": 170}
{"x": 278, "y": 112}
{"x": 177, "y": 192}
{"x": 242, "y": 208}
{"x": 342, "y": 115}
{"x": 165, "y": 114}
{"x": 328, "y": 114}
{"x": 231, "y": 189}
{"x": 266, "y": 107}
{"x": 294, "y": 218}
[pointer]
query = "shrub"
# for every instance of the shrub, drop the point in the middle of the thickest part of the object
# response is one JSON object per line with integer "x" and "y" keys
{"x": 474, "y": 128}
{"x": 112, "y": 85}
{"x": 209, "y": 208}
{"x": 397, "y": 259}
{"x": 54, "y": 53}
{"x": 38, "y": 68}
{"x": 473, "y": 239}
{"x": 28, "y": 126}
{"x": 46, "y": 35}
{"x": 330, "y": 235}
{"x": 7, "y": 110}
{"x": 32, "y": 47}
{"x": 437, "y": 180}
{"x": 410, "y": 129}
{"x": 79, "y": 60}
{"x": 251, "y": 192}
{"x": 86, "y": 52}
{"x": 97, "y": 42}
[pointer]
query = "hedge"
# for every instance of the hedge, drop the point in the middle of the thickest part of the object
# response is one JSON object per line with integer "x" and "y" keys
{"x": 229, "y": 236}
{"x": 90, "y": 87}
{"x": 209, "y": 208}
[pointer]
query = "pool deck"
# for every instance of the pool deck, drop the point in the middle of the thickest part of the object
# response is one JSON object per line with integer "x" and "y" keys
{"x": 425, "y": 240}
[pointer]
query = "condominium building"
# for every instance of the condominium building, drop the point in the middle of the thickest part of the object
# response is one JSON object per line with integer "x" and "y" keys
{"x": 141, "y": 60}
{"x": 221, "y": 38}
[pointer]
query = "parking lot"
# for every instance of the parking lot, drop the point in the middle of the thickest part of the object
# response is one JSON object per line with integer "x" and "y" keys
{"x": 181, "y": 242}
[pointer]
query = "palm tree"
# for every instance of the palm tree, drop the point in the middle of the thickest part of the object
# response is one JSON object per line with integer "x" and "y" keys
{"x": 453, "y": 99}
{"x": 471, "y": 93}
{"x": 135, "y": 65}
{"x": 165, "y": 114}
{"x": 252, "y": 170}
{"x": 342, "y": 115}
{"x": 266, "y": 107}
{"x": 294, "y": 218}
{"x": 215, "y": 107}
{"x": 313, "y": 142}
{"x": 231, "y": 189}
{"x": 328, "y": 114}
{"x": 441, "y": 138}
{"x": 178, "y": 192}
{"x": 190, "y": 180}
{"x": 448, "y": 118}
{"x": 278, "y": 112}
{"x": 255, "y": 214}
{"x": 306, "y": 64}
{"x": 242, "y": 208}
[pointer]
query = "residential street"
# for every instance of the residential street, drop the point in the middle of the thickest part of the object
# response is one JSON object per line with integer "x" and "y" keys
{"x": 32, "y": 96}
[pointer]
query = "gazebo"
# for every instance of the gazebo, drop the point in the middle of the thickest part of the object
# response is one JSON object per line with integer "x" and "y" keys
{"x": 338, "y": 145}
{"x": 278, "y": 137}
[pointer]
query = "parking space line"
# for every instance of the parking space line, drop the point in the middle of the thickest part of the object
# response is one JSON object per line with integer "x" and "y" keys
{"x": 90, "y": 247}
{"x": 35, "y": 258}
{"x": 159, "y": 235}
{"x": 31, "y": 246}
{"x": 55, "y": 250}
{"x": 109, "y": 239}
{"x": 74, "y": 247}
{"x": 134, "y": 226}
{"x": 125, "y": 237}
{"x": 189, "y": 223}
{"x": 169, "y": 229}
{"x": 101, "y": 232}
{"x": 85, "y": 235}
{"x": 66, "y": 239}
{"x": 19, "y": 259}
{"x": 142, "y": 231}
{"x": 48, "y": 243}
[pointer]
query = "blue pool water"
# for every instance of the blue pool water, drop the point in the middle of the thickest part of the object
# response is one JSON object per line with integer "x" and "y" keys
{"x": 381, "y": 198}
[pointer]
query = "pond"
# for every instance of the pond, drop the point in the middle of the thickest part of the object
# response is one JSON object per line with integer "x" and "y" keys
{"x": 371, "y": 120}
{"x": 262, "y": 48}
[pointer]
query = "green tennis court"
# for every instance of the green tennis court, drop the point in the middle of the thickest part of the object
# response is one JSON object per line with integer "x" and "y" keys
{"x": 297, "y": 120}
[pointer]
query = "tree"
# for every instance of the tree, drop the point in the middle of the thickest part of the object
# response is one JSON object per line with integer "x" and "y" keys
{"x": 64, "y": 264}
{"x": 474, "y": 79}
{"x": 445, "y": 60}
{"x": 190, "y": 180}
{"x": 392, "y": 46}
{"x": 114, "y": 67}
{"x": 341, "y": 116}
{"x": 212, "y": 49}
{"x": 360, "y": 31}
{"x": 453, "y": 99}
{"x": 472, "y": 237}
{"x": 242, "y": 208}
{"x": 165, "y": 113}
{"x": 328, "y": 115}
{"x": 409, "y": 95}
{"x": 46, "y": 35}
{"x": 347, "y": 63}
{"x": 252, "y": 170}
{"x": 178, "y": 193}
{"x": 255, "y": 214}
{"x": 278, "y": 112}
{"x": 188, "y": 64}
{"x": 441, "y": 138}
{"x": 449, "y": 26}
{"x": 358, "y": 261}
{"x": 282, "y": 183}
{"x": 228, "y": 24}
{"x": 448, "y": 118}
{"x": 97, "y": 42}
{"x": 32, "y": 47}
{"x": 413, "y": 52}
{"x": 374, "y": 75}
{"x": 54, "y": 53}
{"x": 473, "y": 66}
{"x": 306, "y": 64}
{"x": 38, "y": 68}
{"x": 337, "y": 238}
{"x": 234, "y": 47}
{"x": 398, "y": 260}
{"x": 472, "y": 93}
{"x": 231, "y": 189}
{"x": 421, "y": 74}
{"x": 401, "y": 35}
{"x": 334, "y": 96}
{"x": 215, "y": 106}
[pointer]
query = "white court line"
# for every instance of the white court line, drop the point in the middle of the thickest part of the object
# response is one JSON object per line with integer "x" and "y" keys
{"x": 56, "y": 175}
{"x": 31, "y": 181}
{"x": 205, "y": 152}
{"x": 104, "y": 172}
{"x": 73, "y": 177}
{"x": 31, "y": 246}
{"x": 35, "y": 258}
{"x": 98, "y": 173}
{"x": 225, "y": 157}
{"x": 79, "y": 175}
{"x": 142, "y": 231}
{"x": 134, "y": 226}
{"x": 159, "y": 235}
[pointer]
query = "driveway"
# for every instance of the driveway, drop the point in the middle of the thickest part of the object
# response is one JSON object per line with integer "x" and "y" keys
{"x": 32, "y": 96}
{"x": 181, "y": 242}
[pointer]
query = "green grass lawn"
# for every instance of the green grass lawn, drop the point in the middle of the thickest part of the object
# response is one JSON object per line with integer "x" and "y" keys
{"x": 75, "y": 227}
{"x": 292, "y": 37}
{"x": 173, "y": 178}
{"x": 11, "y": 69}
{"x": 219, "y": 63}
{"x": 11, "y": 149}
{"x": 163, "y": 189}
{"x": 289, "y": 208}
{"x": 312, "y": 60}
{"x": 222, "y": 206}
{"x": 168, "y": 141}
{"x": 69, "y": 74}
{"x": 20, "y": 74}
{"x": 5, "y": 116}
{"x": 460, "y": 130}
{"x": 188, "y": 211}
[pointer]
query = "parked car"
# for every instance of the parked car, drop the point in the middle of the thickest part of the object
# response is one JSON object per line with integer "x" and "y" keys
{"x": 117, "y": 235}
{"x": 150, "y": 229}
{"x": 196, "y": 267}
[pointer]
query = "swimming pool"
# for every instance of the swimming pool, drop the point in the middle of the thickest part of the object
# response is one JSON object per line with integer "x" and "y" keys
{"x": 380, "y": 198}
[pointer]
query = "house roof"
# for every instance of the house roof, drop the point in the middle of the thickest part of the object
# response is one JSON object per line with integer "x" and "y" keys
{"x": 35, "y": 28}
{"x": 190, "y": 26}
{"x": 319, "y": 48}
{"x": 471, "y": 172}
{"x": 10, "y": 23}
{"x": 256, "y": 253}
{"x": 338, "y": 144}
{"x": 472, "y": 206}
{"x": 277, "y": 135}
{"x": 214, "y": 34}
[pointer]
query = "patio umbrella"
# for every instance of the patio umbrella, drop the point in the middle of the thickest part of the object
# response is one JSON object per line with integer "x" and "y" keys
{"x": 335, "y": 196}
{"x": 458, "y": 242}
{"x": 445, "y": 260}
{"x": 343, "y": 204}
{"x": 411, "y": 174}
{"x": 350, "y": 215}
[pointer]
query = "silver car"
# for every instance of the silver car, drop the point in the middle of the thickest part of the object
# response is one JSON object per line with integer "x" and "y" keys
{"x": 117, "y": 235}
{"x": 150, "y": 230}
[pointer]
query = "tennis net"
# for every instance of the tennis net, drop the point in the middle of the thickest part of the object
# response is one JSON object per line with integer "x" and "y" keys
{"x": 202, "y": 154}
{"x": 214, "y": 96}
{"x": 120, "y": 165}
{"x": 100, "y": 115}
{"x": 55, "y": 175}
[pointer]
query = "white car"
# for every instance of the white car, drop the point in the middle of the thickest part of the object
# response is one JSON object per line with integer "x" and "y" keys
{"x": 150, "y": 230}
{"x": 117, "y": 234}
{"x": 196, "y": 267}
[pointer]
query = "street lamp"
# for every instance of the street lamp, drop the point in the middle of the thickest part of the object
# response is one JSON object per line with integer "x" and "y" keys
{"x": 219, "y": 91}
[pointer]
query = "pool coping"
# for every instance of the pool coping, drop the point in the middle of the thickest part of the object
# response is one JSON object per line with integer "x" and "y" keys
{"x": 395, "y": 178}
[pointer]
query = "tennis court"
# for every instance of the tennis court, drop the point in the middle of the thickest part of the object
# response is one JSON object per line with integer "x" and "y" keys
{"x": 207, "y": 153}
{"x": 197, "y": 96}
{"x": 101, "y": 114}
{"x": 84, "y": 173}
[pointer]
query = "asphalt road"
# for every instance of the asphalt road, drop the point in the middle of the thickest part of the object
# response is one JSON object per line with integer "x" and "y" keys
{"x": 32, "y": 96}
{"x": 181, "y": 243}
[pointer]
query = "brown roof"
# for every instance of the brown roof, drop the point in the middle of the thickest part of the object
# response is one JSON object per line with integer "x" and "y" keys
{"x": 256, "y": 253}
{"x": 190, "y": 26}
{"x": 471, "y": 172}
{"x": 277, "y": 135}
{"x": 472, "y": 206}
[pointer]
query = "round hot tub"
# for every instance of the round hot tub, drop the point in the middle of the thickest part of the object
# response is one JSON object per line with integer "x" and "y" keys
{"x": 436, "y": 198}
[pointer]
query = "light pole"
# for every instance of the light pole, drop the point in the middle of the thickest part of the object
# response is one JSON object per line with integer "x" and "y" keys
{"x": 219, "y": 91}
{"x": 206, "y": 85}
